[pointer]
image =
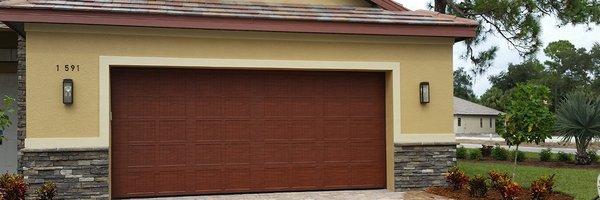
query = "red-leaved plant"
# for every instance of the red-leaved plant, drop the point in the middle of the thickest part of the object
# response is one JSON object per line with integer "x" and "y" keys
{"x": 456, "y": 178}
{"x": 508, "y": 189}
{"x": 542, "y": 187}
{"x": 12, "y": 187}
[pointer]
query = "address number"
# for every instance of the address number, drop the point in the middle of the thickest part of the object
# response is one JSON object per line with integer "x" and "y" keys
{"x": 67, "y": 68}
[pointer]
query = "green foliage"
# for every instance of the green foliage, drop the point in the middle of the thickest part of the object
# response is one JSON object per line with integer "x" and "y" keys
{"x": 520, "y": 155}
{"x": 486, "y": 150}
{"x": 463, "y": 86}
{"x": 542, "y": 187}
{"x": 578, "y": 118}
{"x": 13, "y": 186}
{"x": 517, "y": 21}
{"x": 478, "y": 186}
{"x": 499, "y": 153}
{"x": 494, "y": 98}
{"x": 563, "y": 157}
{"x": 524, "y": 72}
{"x": 47, "y": 191}
{"x": 593, "y": 156}
{"x": 546, "y": 155}
{"x": 5, "y": 109}
{"x": 456, "y": 178}
{"x": 527, "y": 118}
{"x": 475, "y": 154}
{"x": 461, "y": 152}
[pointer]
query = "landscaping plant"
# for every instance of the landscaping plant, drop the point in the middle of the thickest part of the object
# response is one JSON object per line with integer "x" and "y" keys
{"x": 507, "y": 188}
{"x": 496, "y": 178}
{"x": 520, "y": 155}
{"x": 47, "y": 191}
{"x": 13, "y": 187}
{"x": 578, "y": 117}
{"x": 593, "y": 156}
{"x": 499, "y": 153}
{"x": 456, "y": 178}
{"x": 475, "y": 154}
{"x": 563, "y": 157}
{"x": 478, "y": 186}
{"x": 486, "y": 150}
{"x": 461, "y": 152}
{"x": 542, "y": 187}
{"x": 527, "y": 118}
{"x": 546, "y": 155}
{"x": 5, "y": 109}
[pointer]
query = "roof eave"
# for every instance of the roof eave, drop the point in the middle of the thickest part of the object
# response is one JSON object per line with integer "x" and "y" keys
{"x": 17, "y": 15}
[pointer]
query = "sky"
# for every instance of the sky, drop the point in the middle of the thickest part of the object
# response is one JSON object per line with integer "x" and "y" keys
{"x": 579, "y": 35}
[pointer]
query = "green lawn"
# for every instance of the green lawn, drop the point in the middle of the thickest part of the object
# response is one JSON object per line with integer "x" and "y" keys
{"x": 580, "y": 183}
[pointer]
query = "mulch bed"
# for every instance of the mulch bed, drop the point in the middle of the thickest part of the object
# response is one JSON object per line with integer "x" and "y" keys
{"x": 593, "y": 145}
{"x": 537, "y": 163}
{"x": 492, "y": 194}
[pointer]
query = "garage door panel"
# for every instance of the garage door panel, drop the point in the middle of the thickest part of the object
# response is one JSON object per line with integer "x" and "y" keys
{"x": 222, "y": 131}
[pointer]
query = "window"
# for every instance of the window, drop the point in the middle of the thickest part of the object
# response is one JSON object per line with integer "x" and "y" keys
{"x": 459, "y": 121}
{"x": 491, "y": 122}
{"x": 8, "y": 55}
{"x": 481, "y": 122}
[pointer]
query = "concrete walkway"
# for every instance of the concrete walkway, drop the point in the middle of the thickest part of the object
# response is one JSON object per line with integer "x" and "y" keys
{"x": 327, "y": 195}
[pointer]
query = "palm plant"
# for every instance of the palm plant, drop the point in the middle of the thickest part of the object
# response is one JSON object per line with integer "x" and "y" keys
{"x": 578, "y": 117}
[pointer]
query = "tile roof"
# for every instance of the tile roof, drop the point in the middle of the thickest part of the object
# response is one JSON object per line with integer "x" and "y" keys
{"x": 257, "y": 10}
{"x": 464, "y": 107}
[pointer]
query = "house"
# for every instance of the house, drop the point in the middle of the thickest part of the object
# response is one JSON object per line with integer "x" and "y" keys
{"x": 165, "y": 98}
{"x": 471, "y": 119}
{"x": 8, "y": 86}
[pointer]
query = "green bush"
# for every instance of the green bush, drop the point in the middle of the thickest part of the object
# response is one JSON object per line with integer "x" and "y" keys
{"x": 478, "y": 186}
{"x": 486, "y": 150}
{"x": 461, "y": 152}
{"x": 499, "y": 153}
{"x": 593, "y": 156}
{"x": 564, "y": 157}
{"x": 475, "y": 154}
{"x": 546, "y": 155}
{"x": 520, "y": 155}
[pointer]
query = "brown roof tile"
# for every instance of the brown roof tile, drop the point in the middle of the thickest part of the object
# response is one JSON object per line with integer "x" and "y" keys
{"x": 258, "y": 10}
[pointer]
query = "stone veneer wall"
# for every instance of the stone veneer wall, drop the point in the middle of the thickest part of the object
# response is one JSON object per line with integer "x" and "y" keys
{"x": 77, "y": 173}
{"x": 419, "y": 166}
{"x": 20, "y": 99}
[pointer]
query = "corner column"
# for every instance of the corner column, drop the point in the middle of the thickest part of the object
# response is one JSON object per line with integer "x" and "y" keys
{"x": 418, "y": 166}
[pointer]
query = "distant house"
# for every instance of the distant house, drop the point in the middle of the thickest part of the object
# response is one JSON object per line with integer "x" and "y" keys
{"x": 471, "y": 119}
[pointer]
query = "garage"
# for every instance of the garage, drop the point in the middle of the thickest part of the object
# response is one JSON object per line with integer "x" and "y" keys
{"x": 205, "y": 131}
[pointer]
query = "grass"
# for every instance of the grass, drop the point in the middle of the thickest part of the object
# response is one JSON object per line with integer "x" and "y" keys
{"x": 581, "y": 183}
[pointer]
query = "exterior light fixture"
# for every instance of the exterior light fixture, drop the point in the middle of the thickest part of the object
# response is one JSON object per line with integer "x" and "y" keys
{"x": 68, "y": 91}
{"x": 424, "y": 92}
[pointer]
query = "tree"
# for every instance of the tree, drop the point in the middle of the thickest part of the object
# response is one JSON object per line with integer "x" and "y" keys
{"x": 463, "y": 86}
{"x": 524, "y": 72}
{"x": 494, "y": 98}
{"x": 517, "y": 21}
{"x": 578, "y": 117}
{"x": 5, "y": 109}
{"x": 527, "y": 118}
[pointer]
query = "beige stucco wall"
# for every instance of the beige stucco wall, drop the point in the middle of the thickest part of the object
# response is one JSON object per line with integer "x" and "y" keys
{"x": 361, "y": 3}
{"x": 471, "y": 124}
{"x": 421, "y": 59}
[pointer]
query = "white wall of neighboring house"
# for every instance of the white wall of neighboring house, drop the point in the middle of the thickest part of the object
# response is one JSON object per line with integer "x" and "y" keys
{"x": 8, "y": 148}
{"x": 472, "y": 125}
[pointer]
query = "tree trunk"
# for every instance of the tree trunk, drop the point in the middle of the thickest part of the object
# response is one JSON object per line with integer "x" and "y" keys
{"x": 515, "y": 163}
{"x": 440, "y": 6}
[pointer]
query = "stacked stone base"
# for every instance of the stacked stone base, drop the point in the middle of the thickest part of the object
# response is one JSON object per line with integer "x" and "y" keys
{"x": 77, "y": 173}
{"x": 419, "y": 166}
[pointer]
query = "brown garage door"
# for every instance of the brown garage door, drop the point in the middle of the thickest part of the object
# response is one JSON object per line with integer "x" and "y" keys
{"x": 187, "y": 132}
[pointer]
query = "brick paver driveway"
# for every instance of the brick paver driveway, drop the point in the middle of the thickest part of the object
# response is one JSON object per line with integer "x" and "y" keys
{"x": 328, "y": 195}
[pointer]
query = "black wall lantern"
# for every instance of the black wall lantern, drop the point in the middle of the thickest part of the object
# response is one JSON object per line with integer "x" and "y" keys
{"x": 68, "y": 91}
{"x": 424, "y": 92}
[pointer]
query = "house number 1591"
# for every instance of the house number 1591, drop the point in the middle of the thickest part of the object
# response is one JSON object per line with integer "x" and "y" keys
{"x": 67, "y": 68}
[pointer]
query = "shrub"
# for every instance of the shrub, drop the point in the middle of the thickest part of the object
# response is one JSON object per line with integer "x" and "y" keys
{"x": 13, "y": 186}
{"x": 47, "y": 191}
{"x": 563, "y": 157}
{"x": 486, "y": 150}
{"x": 593, "y": 156}
{"x": 496, "y": 178}
{"x": 461, "y": 152}
{"x": 542, "y": 187}
{"x": 478, "y": 186}
{"x": 475, "y": 154}
{"x": 520, "y": 155}
{"x": 509, "y": 190}
{"x": 456, "y": 178}
{"x": 546, "y": 155}
{"x": 499, "y": 153}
